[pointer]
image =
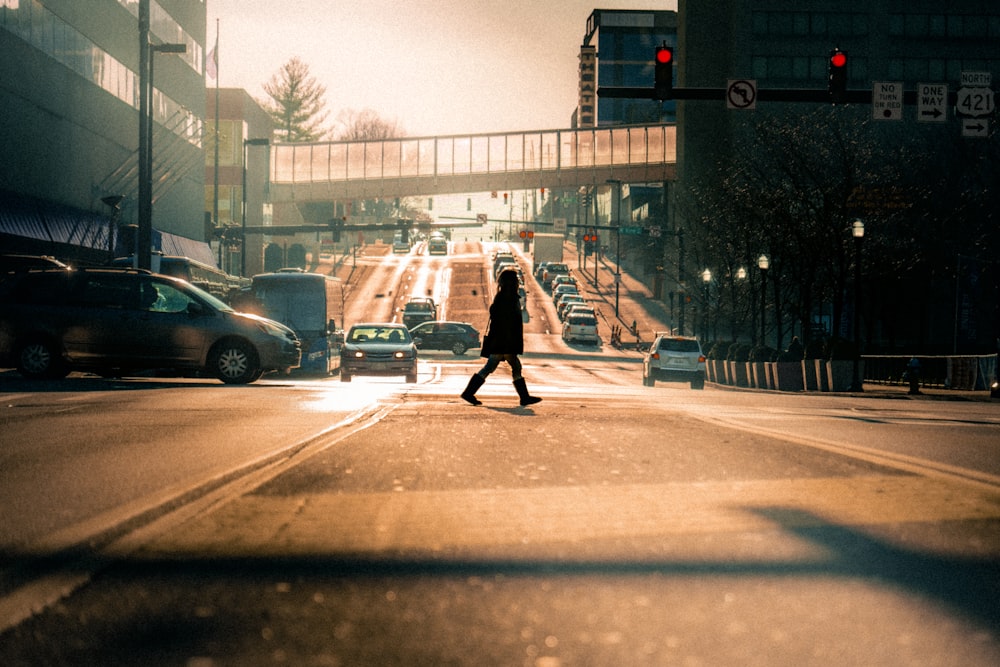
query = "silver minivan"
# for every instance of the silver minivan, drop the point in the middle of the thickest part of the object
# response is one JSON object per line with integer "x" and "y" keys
{"x": 113, "y": 321}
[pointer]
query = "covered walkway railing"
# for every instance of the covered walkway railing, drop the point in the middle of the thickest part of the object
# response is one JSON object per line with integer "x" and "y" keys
{"x": 410, "y": 166}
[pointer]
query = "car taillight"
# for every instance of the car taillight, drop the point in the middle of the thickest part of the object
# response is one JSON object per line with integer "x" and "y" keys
{"x": 701, "y": 359}
{"x": 656, "y": 355}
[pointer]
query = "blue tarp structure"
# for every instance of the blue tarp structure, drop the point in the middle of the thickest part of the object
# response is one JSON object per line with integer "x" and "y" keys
{"x": 35, "y": 226}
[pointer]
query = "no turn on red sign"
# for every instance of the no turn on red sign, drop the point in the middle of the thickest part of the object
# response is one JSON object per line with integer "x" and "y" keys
{"x": 887, "y": 100}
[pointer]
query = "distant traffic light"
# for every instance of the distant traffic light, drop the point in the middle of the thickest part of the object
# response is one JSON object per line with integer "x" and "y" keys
{"x": 664, "y": 80}
{"x": 837, "y": 85}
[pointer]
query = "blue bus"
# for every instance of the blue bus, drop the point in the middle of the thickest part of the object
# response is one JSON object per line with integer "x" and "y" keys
{"x": 310, "y": 304}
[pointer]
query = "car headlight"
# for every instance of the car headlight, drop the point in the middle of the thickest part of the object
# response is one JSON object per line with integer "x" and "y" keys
{"x": 401, "y": 354}
{"x": 358, "y": 354}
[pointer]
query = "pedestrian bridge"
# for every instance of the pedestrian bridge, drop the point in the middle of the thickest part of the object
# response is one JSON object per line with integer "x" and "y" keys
{"x": 427, "y": 166}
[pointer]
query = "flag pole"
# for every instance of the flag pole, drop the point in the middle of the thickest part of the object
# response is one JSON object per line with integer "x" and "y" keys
{"x": 215, "y": 183}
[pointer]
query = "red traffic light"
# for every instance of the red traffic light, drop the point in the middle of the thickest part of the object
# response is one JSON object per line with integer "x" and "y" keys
{"x": 664, "y": 54}
{"x": 838, "y": 59}
{"x": 523, "y": 234}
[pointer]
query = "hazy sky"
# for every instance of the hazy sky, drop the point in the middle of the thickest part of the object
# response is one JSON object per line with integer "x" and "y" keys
{"x": 432, "y": 66}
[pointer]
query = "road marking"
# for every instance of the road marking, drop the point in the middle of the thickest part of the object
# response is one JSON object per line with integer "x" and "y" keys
{"x": 436, "y": 521}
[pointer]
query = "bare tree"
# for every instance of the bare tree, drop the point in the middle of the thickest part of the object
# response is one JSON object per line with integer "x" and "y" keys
{"x": 296, "y": 103}
{"x": 365, "y": 125}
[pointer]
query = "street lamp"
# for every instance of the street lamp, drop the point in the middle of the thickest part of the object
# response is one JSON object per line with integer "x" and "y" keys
{"x": 763, "y": 263}
{"x": 260, "y": 141}
{"x": 706, "y": 281}
{"x": 144, "y": 237}
{"x": 618, "y": 242}
{"x": 858, "y": 232}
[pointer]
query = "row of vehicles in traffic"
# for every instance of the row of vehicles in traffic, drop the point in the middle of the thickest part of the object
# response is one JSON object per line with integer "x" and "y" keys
{"x": 578, "y": 317}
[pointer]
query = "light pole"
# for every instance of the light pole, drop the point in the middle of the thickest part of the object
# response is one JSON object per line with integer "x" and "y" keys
{"x": 618, "y": 242}
{"x": 706, "y": 281}
{"x": 763, "y": 263}
{"x": 262, "y": 141}
{"x": 144, "y": 236}
{"x": 858, "y": 232}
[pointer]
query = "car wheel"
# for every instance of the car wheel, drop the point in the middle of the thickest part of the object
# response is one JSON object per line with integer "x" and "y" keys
{"x": 345, "y": 377}
{"x": 459, "y": 348}
{"x": 39, "y": 359}
{"x": 411, "y": 378}
{"x": 234, "y": 362}
{"x": 648, "y": 381}
{"x": 698, "y": 383}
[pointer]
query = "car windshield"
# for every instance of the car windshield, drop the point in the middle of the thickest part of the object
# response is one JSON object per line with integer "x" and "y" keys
{"x": 679, "y": 345}
{"x": 375, "y": 334}
{"x": 419, "y": 307}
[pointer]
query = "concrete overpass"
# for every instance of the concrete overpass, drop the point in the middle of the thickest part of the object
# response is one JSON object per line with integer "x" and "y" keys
{"x": 427, "y": 166}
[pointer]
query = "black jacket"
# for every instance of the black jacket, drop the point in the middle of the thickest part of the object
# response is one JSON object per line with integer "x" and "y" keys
{"x": 505, "y": 334}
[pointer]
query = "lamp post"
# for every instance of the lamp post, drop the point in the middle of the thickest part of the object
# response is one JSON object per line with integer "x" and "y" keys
{"x": 261, "y": 141}
{"x": 858, "y": 232}
{"x": 618, "y": 242}
{"x": 144, "y": 236}
{"x": 706, "y": 282}
{"x": 763, "y": 263}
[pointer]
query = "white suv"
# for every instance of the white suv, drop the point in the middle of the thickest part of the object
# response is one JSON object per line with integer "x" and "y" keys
{"x": 674, "y": 358}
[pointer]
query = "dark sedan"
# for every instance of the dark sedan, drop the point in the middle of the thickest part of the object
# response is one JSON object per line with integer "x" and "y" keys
{"x": 455, "y": 336}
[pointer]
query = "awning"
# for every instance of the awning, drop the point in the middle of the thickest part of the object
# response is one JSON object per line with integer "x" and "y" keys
{"x": 37, "y": 226}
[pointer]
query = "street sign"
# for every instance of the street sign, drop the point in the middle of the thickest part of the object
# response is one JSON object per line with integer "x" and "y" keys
{"x": 932, "y": 102}
{"x": 976, "y": 128}
{"x": 630, "y": 231}
{"x": 559, "y": 225}
{"x": 741, "y": 94}
{"x": 974, "y": 102}
{"x": 976, "y": 79}
{"x": 481, "y": 218}
{"x": 887, "y": 100}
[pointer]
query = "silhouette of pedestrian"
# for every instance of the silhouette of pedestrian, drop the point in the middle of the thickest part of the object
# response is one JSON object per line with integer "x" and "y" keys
{"x": 504, "y": 340}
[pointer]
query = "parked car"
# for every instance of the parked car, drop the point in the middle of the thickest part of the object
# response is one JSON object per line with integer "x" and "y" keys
{"x": 674, "y": 358}
{"x": 455, "y": 336}
{"x": 14, "y": 263}
{"x": 580, "y": 327}
{"x": 115, "y": 321}
{"x": 378, "y": 348}
{"x": 417, "y": 310}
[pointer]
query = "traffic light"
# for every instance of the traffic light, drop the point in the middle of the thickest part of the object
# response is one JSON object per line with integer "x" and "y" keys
{"x": 589, "y": 241}
{"x": 664, "y": 81}
{"x": 837, "y": 85}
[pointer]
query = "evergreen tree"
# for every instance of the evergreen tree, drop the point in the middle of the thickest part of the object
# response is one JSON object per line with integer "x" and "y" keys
{"x": 296, "y": 103}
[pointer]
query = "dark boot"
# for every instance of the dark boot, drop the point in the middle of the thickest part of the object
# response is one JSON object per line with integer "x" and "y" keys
{"x": 475, "y": 382}
{"x": 522, "y": 391}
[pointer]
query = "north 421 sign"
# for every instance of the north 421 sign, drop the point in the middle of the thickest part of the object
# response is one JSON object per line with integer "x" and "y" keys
{"x": 975, "y": 98}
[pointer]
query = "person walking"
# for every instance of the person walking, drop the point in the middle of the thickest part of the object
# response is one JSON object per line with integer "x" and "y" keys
{"x": 504, "y": 340}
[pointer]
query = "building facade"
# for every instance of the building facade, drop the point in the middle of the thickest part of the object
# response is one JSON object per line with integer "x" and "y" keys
{"x": 69, "y": 131}
{"x": 934, "y": 285}
{"x": 242, "y": 127}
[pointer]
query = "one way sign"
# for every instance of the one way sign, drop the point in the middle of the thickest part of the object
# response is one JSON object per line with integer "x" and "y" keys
{"x": 932, "y": 102}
